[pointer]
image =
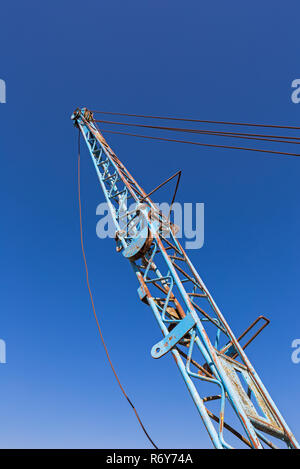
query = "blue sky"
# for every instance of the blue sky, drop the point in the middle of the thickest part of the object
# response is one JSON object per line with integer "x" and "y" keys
{"x": 222, "y": 61}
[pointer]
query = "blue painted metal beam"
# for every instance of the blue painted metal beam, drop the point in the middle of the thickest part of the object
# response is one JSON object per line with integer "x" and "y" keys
{"x": 191, "y": 323}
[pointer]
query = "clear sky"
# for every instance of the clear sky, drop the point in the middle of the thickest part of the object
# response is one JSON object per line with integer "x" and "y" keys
{"x": 210, "y": 60}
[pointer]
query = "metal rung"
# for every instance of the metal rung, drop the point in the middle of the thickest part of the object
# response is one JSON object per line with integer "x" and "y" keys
{"x": 108, "y": 177}
{"x": 118, "y": 193}
{"x": 102, "y": 162}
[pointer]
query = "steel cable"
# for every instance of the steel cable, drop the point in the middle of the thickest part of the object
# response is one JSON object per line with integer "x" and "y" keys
{"x": 258, "y": 137}
{"x": 285, "y": 138}
{"x": 200, "y": 143}
{"x": 197, "y": 120}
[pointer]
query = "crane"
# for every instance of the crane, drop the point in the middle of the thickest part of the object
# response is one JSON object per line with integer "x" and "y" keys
{"x": 194, "y": 331}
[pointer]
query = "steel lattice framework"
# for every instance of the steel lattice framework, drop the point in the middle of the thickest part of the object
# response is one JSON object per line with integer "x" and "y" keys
{"x": 194, "y": 330}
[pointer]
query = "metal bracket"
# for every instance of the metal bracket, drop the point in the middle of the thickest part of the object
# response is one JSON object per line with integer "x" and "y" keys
{"x": 230, "y": 350}
{"x": 164, "y": 346}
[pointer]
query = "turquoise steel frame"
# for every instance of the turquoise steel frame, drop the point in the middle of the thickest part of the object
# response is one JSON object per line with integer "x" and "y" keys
{"x": 194, "y": 330}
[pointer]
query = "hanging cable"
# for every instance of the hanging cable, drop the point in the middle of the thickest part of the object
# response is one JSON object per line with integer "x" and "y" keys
{"x": 200, "y": 144}
{"x": 197, "y": 120}
{"x": 93, "y": 305}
